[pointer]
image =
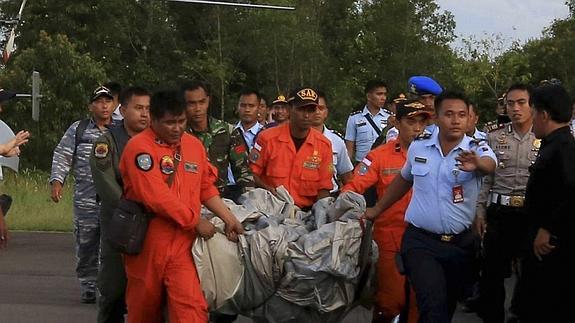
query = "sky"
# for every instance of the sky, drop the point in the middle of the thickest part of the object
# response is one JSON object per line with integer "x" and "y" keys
{"x": 513, "y": 19}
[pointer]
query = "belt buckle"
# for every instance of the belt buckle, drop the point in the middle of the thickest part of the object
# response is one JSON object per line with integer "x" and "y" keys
{"x": 516, "y": 201}
{"x": 446, "y": 237}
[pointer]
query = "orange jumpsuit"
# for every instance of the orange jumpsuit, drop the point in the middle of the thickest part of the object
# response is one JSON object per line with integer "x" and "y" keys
{"x": 165, "y": 267}
{"x": 303, "y": 173}
{"x": 379, "y": 168}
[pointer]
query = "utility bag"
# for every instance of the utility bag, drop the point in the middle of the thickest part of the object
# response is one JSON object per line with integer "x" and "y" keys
{"x": 128, "y": 227}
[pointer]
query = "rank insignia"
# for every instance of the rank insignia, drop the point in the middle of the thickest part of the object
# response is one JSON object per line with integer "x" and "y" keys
{"x": 101, "y": 150}
{"x": 167, "y": 165}
{"x": 537, "y": 143}
{"x": 191, "y": 167}
{"x": 144, "y": 162}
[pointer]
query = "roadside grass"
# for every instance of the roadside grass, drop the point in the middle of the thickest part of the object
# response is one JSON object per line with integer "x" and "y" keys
{"x": 32, "y": 208}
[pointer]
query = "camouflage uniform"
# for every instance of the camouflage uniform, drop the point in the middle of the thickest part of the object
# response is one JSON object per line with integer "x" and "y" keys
{"x": 86, "y": 208}
{"x": 104, "y": 162}
{"x": 226, "y": 148}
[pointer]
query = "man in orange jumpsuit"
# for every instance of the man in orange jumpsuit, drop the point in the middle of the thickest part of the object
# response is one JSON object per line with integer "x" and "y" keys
{"x": 295, "y": 155}
{"x": 379, "y": 168}
{"x": 164, "y": 271}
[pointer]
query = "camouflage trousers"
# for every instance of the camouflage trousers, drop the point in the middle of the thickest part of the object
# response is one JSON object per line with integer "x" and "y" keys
{"x": 87, "y": 235}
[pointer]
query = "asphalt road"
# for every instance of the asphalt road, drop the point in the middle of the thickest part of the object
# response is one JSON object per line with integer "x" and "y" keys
{"x": 38, "y": 283}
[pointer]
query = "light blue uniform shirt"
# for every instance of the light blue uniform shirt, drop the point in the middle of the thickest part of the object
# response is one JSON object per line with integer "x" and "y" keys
{"x": 434, "y": 177}
{"x": 341, "y": 162}
{"x": 479, "y": 134}
{"x": 360, "y": 131}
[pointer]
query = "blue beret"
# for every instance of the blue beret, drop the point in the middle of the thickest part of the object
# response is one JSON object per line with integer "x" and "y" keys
{"x": 420, "y": 85}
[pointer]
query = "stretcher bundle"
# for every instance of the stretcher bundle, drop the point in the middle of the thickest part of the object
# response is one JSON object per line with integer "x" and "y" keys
{"x": 290, "y": 265}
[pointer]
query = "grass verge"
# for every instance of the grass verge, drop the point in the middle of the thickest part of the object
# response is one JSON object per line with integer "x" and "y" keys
{"x": 32, "y": 208}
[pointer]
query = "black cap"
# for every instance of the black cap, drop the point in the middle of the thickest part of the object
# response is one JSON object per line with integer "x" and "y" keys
{"x": 101, "y": 91}
{"x": 410, "y": 108}
{"x": 6, "y": 95}
{"x": 280, "y": 100}
{"x": 303, "y": 97}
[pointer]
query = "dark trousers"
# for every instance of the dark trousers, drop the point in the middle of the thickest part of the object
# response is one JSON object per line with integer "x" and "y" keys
{"x": 111, "y": 283}
{"x": 503, "y": 243}
{"x": 437, "y": 271}
{"x": 547, "y": 290}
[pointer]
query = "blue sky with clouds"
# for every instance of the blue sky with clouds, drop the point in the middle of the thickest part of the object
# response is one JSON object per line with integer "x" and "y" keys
{"x": 514, "y": 19}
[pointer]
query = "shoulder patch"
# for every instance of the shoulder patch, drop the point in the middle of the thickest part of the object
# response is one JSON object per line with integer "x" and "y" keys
{"x": 101, "y": 150}
{"x": 144, "y": 161}
{"x": 425, "y": 135}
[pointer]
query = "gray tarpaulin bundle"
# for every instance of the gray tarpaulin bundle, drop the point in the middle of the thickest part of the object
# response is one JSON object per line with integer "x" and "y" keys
{"x": 290, "y": 266}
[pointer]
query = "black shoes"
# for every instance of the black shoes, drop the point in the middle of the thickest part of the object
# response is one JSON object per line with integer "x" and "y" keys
{"x": 89, "y": 297}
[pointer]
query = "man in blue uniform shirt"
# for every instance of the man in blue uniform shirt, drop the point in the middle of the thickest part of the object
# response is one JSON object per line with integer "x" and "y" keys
{"x": 445, "y": 170}
{"x": 364, "y": 126}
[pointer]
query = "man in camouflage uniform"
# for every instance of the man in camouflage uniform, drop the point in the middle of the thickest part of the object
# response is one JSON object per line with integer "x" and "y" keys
{"x": 73, "y": 152}
{"x": 104, "y": 161}
{"x": 226, "y": 148}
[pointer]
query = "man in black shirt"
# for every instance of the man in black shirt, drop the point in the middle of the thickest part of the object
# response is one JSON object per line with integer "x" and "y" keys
{"x": 547, "y": 294}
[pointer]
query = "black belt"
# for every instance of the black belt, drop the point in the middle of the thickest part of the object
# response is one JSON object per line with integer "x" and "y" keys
{"x": 446, "y": 237}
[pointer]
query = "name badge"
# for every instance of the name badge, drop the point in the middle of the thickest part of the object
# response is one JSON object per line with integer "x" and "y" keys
{"x": 457, "y": 192}
{"x": 422, "y": 160}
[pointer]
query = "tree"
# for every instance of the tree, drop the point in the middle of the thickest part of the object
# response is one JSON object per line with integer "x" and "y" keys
{"x": 69, "y": 77}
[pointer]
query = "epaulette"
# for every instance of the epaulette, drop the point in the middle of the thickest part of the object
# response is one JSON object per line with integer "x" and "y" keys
{"x": 355, "y": 112}
{"x": 493, "y": 125}
{"x": 425, "y": 135}
{"x": 337, "y": 133}
{"x": 477, "y": 142}
{"x": 387, "y": 111}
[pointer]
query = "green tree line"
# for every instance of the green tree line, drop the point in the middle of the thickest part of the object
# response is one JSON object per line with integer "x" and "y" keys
{"x": 336, "y": 46}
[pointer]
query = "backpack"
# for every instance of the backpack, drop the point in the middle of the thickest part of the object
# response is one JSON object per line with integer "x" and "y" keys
{"x": 80, "y": 132}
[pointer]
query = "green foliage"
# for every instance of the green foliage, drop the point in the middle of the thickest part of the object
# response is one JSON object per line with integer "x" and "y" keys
{"x": 68, "y": 79}
{"x": 336, "y": 46}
